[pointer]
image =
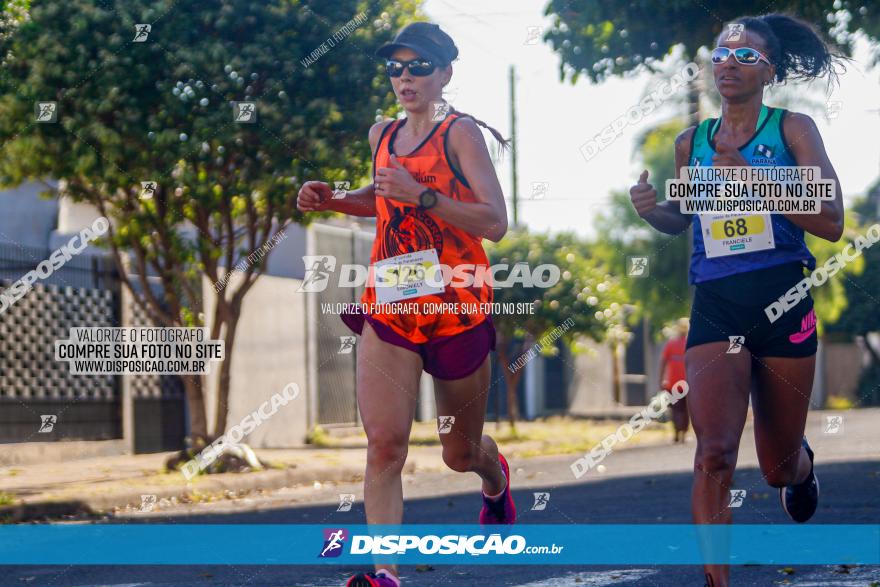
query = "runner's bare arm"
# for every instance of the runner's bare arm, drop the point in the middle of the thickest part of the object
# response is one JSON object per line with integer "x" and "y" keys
{"x": 806, "y": 146}
{"x": 664, "y": 216}
{"x": 359, "y": 202}
{"x": 316, "y": 196}
{"x": 362, "y": 201}
{"x": 487, "y": 217}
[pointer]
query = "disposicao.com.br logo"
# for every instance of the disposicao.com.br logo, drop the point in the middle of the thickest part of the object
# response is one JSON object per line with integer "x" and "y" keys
{"x": 431, "y": 544}
{"x": 334, "y": 541}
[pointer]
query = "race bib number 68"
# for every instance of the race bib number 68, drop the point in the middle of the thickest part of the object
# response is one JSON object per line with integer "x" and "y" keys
{"x": 734, "y": 234}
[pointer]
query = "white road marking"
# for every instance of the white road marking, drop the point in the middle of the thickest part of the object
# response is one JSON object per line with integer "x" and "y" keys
{"x": 595, "y": 578}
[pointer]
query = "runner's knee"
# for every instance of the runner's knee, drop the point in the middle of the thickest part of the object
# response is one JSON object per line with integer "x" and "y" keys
{"x": 717, "y": 458}
{"x": 387, "y": 451}
{"x": 460, "y": 458}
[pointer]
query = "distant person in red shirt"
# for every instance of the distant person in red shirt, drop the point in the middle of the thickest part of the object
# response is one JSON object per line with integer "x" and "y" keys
{"x": 671, "y": 371}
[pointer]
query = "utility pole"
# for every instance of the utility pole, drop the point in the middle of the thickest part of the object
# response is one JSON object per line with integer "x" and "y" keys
{"x": 513, "y": 179}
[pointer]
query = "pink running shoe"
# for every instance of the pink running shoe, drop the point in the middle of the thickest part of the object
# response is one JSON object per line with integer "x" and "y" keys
{"x": 502, "y": 510}
{"x": 371, "y": 579}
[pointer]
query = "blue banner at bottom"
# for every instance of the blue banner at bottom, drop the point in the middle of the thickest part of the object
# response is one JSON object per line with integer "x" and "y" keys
{"x": 528, "y": 544}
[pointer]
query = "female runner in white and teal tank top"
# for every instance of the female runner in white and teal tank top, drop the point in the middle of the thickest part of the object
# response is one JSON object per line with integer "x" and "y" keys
{"x": 741, "y": 263}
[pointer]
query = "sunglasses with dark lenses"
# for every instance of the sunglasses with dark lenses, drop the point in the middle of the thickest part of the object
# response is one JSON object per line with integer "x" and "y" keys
{"x": 743, "y": 55}
{"x": 417, "y": 67}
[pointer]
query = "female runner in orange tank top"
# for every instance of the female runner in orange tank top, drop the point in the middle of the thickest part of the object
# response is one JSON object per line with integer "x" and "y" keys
{"x": 435, "y": 196}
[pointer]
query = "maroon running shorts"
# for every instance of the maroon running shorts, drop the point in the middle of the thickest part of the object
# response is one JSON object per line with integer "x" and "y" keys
{"x": 445, "y": 357}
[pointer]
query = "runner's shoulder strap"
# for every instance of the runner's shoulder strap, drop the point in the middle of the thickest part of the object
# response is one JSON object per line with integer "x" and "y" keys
{"x": 700, "y": 139}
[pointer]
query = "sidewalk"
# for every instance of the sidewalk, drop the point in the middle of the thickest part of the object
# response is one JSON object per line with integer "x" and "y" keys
{"x": 97, "y": 485}
{"x": 102, "y": 484}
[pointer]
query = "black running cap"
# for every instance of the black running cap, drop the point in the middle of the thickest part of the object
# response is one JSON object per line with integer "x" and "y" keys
{"x": 426, "y": 39}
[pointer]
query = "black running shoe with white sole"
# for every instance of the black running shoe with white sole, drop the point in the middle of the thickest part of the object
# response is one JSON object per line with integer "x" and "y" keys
{"x": 800, "y": 501}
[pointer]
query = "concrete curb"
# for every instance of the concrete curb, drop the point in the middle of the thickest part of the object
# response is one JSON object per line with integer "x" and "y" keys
{"x": 270, "y": 479}
{"x": 26, "y": 453}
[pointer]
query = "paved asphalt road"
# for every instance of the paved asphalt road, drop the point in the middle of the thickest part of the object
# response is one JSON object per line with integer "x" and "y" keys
{"x": 640, "y": 485}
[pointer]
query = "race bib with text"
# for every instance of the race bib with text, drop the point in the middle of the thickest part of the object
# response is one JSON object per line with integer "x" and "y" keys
{"x": 407, "y": 276}
{"x": 735, "y": 234}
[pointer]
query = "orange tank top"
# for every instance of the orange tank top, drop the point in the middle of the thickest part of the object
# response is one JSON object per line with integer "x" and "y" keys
{"x": 403, "y": 228}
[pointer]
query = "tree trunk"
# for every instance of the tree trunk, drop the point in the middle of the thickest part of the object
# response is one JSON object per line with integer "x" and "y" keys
{"x": 511, "y": 381}
{"x": 875, "y": 358}
{"x": 225, "y": 374}
{"x": 195, "y": 398}
{"x": 693, "y": 119}
{"x": 615, "y": 371}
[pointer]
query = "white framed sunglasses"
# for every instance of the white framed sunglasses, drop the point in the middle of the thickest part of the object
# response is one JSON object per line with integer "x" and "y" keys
{"x": 743, "y": 55}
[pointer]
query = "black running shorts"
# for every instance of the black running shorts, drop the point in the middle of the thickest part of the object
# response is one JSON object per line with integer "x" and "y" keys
{"x": 734, "y": 310}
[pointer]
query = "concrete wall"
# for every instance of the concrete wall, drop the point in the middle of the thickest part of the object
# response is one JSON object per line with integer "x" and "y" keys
{"x": 269, "y": 353}
{"x": 285, "y": 260}
{"x": 33, "y": 221}
{"x": 270, "y": 347}
{"x": 72, "y": 218}
{"x": 27, "y": 218}
{"x": 842, "y": 369}
{"x": 591, "y": 385}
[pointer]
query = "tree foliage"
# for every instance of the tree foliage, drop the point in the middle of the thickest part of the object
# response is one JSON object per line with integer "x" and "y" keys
{"x": 585, "y": 287}
{"x": 663, "y": 295}
{"x": 587, "y": 301}
{"x": 862, "y": 312}
{"x": 832, "y": 298}
{"x": 602, "y": 38}
{"x": 162, "y": 110}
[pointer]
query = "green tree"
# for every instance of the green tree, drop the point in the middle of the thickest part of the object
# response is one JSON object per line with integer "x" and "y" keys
{"x": 162, "y": 110}
{"x": 861, "y": 316}
{"x": 661, "y": 297}
{"x": 603, "y": 38}
{"x": 12, "y": 14}
{"x": 832, "y": 298}
{"x": 586, "y": 301}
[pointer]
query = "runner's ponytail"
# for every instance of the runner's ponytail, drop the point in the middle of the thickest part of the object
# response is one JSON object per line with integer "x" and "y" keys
{"x": 796, "y": 48}
{"x": 505, "y": 143}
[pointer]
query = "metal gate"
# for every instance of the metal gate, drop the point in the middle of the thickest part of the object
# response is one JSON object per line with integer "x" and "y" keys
{"x": 336, "y": 361}
{"x": 39, "y": 398}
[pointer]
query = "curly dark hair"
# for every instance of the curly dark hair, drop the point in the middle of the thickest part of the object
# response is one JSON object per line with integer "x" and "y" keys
{"x": 795, "y": 47}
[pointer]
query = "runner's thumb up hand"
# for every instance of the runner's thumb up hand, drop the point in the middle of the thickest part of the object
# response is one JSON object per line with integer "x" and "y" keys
{"x": 643, "y": 195}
